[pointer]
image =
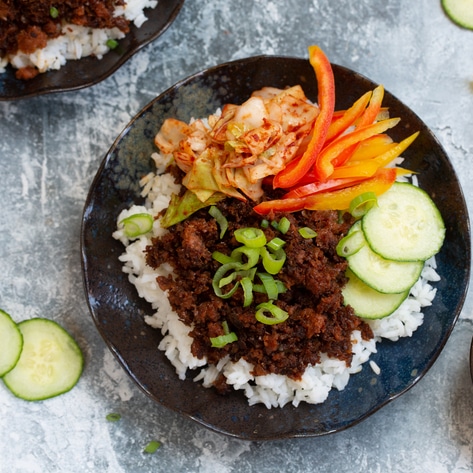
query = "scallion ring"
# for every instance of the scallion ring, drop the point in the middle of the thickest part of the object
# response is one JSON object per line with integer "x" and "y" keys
{"x": 275, "y": 244}
{"x": 220, "y": 218}
{"x": 284, "y": 225}
{"x": 247, "y": 286}
{"x": 350, "y": 244}
{"x": 53, "y": 12}
{"x": 252, "y": 256}
{"x": 273, "y": 261}
{"x": 112, "y": 43}
{"x": 269, "y": 284}
{"x": 362, "y": 203}
{"x": 219, "y": 275}
{"x": 250, "y": 237}
{"x": 277, "y": 316}
{"x": 222, "y": 258}
{"x": 137, "y": 224}
{"x": 307, "y": 233}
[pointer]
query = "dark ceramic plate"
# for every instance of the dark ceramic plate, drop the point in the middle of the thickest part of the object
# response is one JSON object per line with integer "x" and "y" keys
{"x": 90, "y": 70}
{"x": 118, "y": 312}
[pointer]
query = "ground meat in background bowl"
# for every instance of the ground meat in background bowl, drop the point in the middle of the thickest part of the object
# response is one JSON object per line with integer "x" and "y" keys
{"x": 36, "y": 36}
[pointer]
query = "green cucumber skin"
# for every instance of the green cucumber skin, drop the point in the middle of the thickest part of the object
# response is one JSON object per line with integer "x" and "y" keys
{"x": 368, "y": 303}
{"x": 21, "y": 380}
{"x": 386, "y": 239}
{"x": 12, "y": 346}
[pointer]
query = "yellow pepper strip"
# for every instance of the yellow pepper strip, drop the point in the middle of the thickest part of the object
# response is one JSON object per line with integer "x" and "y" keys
{"x": 340, "y": 199}
{"x": 349, "y": 117}
{"x": 372, "y": 147}
{"x": 324, "y": 166}
{"x": 367, "y": 167}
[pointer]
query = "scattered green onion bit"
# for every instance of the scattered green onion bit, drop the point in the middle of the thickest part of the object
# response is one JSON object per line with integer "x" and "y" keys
{"x": 273, "y": 261}
{"x": 222, "y": 258}
{"x": 284, "y": 225}
{"x": 220, "y": 218}
{"x": 276, "y": 244}
{"x": 250, "y": 237}
{"x": 269, "y": 285}
{"x": 53, "y": 12}
{"x": 277, "y": 315}
{"x": 225, "y": 339}
{"x": 219, "y": 275}
{"x": 247, "y": 286}
{"x": 152, "y": 446}
{"x": 252, "y": 256}
{"x": 350, "y": 244}
{"x": 362, "y": 203}
{"x": 112, "y": 43}
{"x": 264, "y": 223}
{"x": 307, "y": 233}
{"x": 113, "y": 417}
{"x": 137, "y": 224}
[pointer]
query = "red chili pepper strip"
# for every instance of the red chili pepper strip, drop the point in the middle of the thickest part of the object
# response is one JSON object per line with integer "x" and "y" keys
{"x": 334, "y": 200}
{"x": 290, "y": 175}
{"x": 324, "y": 166}
{"x": 315, "y": 187}
{"x": 349, "y": 117}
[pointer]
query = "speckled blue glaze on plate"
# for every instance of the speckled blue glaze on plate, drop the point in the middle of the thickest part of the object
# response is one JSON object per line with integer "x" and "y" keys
{"x": 90, "y": 70}
{"x": 118, "y": 311}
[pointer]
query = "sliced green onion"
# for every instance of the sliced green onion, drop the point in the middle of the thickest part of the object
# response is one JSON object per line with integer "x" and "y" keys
{"x": 261, "y": 289}
{"x": 269, "y": 284}
{"x": 220, "y": 218}
{"x": 362, "y": 203}
{"x": 273, "y": 261}
{"x": 152, "y": 446}
{"x": 137, "y": 224}
{"x": 275, "y": 224}
{"x": 252, "y": 256}
{"x": 219, "y": 275}
{"x": 307, "y": 233}
{"x": 284, "y": 225}
{"x": 275, "y": 244}
{"x": 113, "y": 417}
{"x": 247, "y": 286}
{"x": 222, "y": 258}
{"x": 53, "y": 12}
{"x": 112, "y": 43}
{"x": 350, "y": 244}
{"x": 251, "y": 237}
{"x": 264, "y": 223}
{"x": 225, "y": 339}
{"x": 277, "y": 316}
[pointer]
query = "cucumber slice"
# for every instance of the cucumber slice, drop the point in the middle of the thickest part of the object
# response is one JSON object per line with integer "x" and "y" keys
{"x": 383, "y": 275}
{"x": 459, "y": 11}
{"x": 11, "y": 342}
{"x": 50, "y": 363}
{"x": 405, "y": 225}
{"x": 368, "y": 303}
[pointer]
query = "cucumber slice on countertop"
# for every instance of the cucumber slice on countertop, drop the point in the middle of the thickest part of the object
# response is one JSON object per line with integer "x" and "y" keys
{"x": 50, "y": 363}
{"x": 11, "y": 341}
{"x": 406, "y": 225}
{"x": 368, "y": 303}
{"x": 382, "y": 274}
{"x": 459, "y": 11}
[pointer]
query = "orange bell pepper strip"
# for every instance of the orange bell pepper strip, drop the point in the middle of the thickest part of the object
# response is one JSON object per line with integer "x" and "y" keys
{"x": 349, "y": 117}
{"x": 333, "y": 200}
{"x": 367, "y": 118}
{"x": 324, "y": 166}
{"x": 290, "y": 175}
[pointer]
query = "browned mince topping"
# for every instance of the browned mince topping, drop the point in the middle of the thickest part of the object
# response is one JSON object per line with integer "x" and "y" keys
{"x": 313, "y": 273}
{"x": 26, "y": 25}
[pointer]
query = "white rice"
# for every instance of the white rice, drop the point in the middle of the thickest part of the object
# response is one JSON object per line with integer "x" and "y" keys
{"x": 272, "y": 390}
{"x": 78, "y": 41}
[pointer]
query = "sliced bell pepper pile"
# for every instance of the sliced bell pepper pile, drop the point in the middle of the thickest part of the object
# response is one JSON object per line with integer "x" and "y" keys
{"x": 348, "y": 154}
{"x": 338, "y": 199}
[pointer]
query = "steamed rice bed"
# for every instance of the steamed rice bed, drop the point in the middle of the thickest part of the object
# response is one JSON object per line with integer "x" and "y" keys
{"x": 273, "y": 390}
